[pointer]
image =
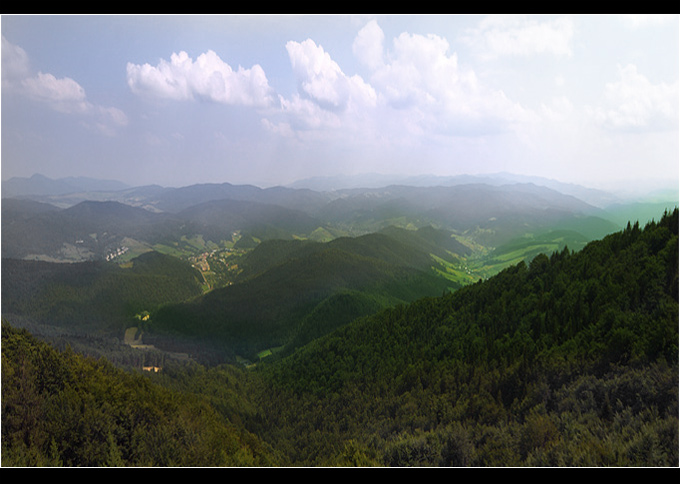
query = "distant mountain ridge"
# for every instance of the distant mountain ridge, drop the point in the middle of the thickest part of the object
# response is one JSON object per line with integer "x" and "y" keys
{"x": 42, "y": 186}
{"x": 593, "y": 196}
{"x": 69, "y": 191}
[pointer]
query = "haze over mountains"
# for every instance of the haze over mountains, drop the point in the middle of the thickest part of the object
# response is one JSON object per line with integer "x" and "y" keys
{"x": 56, "y": 190}
{"x": 44, "y": 217}
{"x": 64, "y": 214}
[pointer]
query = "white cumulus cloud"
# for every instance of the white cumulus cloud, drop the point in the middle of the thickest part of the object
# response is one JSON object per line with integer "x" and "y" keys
{"x": 61, "y": 94}
{"x": 328, "y": 104}
{"x": 633, "y": 102}
{"x": 15, "y": 64}
{"x": 207, "y": 78}
{"x": 420, "y": 74}
{"x": 368, "y": 45}
{"x": 322, "y": 80}
{"x": 519, "y": 36}
{"x": 416, "y": 88}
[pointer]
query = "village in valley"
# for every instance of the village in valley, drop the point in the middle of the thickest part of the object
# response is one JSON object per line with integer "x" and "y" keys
{"x": 116, "y": 253}
{"x": 218, "y": 267}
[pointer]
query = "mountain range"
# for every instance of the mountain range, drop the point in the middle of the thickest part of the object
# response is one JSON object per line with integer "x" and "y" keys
{"x": 69, "y": 225}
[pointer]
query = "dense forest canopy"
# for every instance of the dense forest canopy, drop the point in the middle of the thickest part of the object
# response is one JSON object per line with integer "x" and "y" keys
{"x": 570, "y": 360}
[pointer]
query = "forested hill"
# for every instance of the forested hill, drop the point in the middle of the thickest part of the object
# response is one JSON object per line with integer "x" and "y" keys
{"x": 293, "y": 291}
{"x": 94, "y": 296}
{"x": 63, "y": 409}
{"x": 569, "y": 360}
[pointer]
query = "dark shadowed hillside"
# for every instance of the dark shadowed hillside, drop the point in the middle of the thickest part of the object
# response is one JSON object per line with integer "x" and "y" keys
{"x": 95, "y": 297}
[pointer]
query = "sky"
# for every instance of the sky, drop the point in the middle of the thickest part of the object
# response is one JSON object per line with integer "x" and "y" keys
{"x": 269, "y": 99}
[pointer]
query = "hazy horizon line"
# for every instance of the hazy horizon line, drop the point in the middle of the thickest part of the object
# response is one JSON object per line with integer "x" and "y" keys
{"x": 381, "y": 179}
